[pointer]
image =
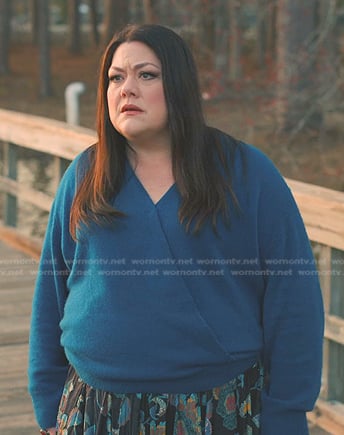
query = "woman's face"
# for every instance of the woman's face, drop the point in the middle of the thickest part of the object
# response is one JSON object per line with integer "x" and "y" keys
{"x": 135, "y": 94}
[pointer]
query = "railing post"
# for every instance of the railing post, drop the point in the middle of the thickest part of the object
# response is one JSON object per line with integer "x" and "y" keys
{"x": 323, "y": 255}
{"x": 10, "y": 166}
{"x": 336, "y": 360}
{"x": 60, "y": 165}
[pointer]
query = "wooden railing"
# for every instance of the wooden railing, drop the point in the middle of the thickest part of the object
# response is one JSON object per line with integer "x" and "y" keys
{"x": 322, "y": 210}
{"x": 323, "y": 213}
{"x": 43, "y": 135}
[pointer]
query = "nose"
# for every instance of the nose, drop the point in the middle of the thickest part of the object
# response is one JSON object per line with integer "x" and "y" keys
{"x": 129, "y": 87}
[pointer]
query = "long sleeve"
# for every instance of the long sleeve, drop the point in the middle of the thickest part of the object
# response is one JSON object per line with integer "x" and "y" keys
{"x": 47, "y": 362}
{"x": 48, "y": 365}
{"x": 106, "y": 285}
{"x": 293, "y": 318}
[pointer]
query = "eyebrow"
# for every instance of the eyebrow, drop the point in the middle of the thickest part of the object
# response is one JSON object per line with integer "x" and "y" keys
{"x": 136, "y": 67}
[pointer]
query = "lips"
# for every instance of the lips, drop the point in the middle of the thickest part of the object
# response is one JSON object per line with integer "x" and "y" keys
{"x": 130, "y": 108}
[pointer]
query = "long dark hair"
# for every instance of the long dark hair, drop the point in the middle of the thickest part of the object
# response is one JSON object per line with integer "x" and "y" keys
{"x": 197, "y": 150}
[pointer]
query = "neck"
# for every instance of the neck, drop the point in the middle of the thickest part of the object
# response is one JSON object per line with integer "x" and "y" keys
{"x": 142, "y": 154}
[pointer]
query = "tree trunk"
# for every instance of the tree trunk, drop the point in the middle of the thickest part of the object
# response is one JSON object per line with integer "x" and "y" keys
{"x": 221, "y": 52}
{"x": 136, "y": 11}
{"x": 5, "y": 31}
{"x": 74, "y": 31}
{"x": 234, "y": 40}
{"x": 34, "y": 12}
{"x": 202, "y": 23}
{"x": 261, "y": 30}
{"x": 44, "y": 48}
{"x": 328, "y": 54}
{"x": 116, "y": 16}
{"x": 94, "y": 21}
{"x": 271, "y": 32}
{"x": 166, "y": 13}
{"x": 149, "y": 13}
{"x": 266, "y": 32}
{"x": 296, "y": 105}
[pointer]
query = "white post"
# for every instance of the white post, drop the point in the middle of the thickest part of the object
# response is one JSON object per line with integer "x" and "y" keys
{"x": 72, "y": 93}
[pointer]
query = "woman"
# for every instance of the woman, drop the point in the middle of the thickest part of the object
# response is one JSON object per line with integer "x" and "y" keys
{"x": 176, "y": 292}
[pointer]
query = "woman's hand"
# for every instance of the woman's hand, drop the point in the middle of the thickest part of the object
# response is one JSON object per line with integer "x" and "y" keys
{"x": 50, "y": 431}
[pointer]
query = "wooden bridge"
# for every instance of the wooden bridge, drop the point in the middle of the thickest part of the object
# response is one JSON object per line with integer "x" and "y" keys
{"x": 322, "y": 210}
{"x": 16, "y": 287}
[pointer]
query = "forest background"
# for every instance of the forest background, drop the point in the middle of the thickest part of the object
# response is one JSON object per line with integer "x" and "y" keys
{"x": 271, "y": 70}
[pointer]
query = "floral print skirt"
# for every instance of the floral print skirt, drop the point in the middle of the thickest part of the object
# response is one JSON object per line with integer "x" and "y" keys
{"x": 230, "y": 409}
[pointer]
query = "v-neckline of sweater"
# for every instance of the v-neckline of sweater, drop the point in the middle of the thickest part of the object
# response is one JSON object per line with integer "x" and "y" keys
{"x": 145, "y": 191}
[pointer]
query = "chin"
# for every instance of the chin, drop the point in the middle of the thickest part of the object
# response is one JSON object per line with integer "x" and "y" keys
{"x": 131, "y": 136}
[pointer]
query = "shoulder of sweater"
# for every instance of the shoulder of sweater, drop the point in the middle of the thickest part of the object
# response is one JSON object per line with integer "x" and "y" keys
{"x": 74, "y": 173}
{"x": 79, "y": 165}
{"x": 257, "y": 162}
{"x": 252, "y": 171}
{"x": 245, "y": 155}
{"x": 67, "y": 187}
{"x": 261, "y": 171}
{"x": 256, "y": 176}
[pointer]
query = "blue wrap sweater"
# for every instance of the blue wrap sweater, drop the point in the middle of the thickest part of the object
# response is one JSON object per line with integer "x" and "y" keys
{"x": 141, "y": 305}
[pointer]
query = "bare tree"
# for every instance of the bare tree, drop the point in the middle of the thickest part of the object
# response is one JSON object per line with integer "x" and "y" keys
{"x": 271, "y": 31}
{"x": 74, "y": 31}
{"x": 149, "y": 12}
{"x": 221, "y": 59}
{"x": 34, "y": 12}
{"x": 203, "y": 28}
{"x": 296, "y": 72}
{"x": 116, "y": 15}
{"x": 234, "y": 40}
{"x": 44, "y": 48}
{"x": 327, "y": 49}
{"x": 94, "y": 20}
{"x": 5, "y": 30}
{"x": 206, "y": 26}
{"x": 266, "y": 31}
{"x": 227, "y": 52}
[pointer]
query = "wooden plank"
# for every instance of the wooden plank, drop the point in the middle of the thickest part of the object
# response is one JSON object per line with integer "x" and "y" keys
{"x": 11, "y": 270}
{"x": 322, "y": 210}
{"x": 329, "y": 416}
{"x": 337, "y": 274}
{"x": 14, "y": 380}
{"x": 336, "y": 369}
{"x": 27, "y": 245}
{"x": 45, "y": 135}
{"x": 15, "y": 284}
{"x": 15, "y": 307}
{"x": 60, "y": 165}
{"x": 19, "y": 423}
{"x": 323, "y": 255}
{"x": 10, "y": 163}
{"x": 334, "y": 328}
{"x": 9, "y": 308}
{"x": 31, "y": 196}
{"x": 8, "y": 407}
{"x": 15, "y": 302}
{"x": 324, "y": 422}
{"x": 14, "y": 330}
{"x": 313, "y": 190}
{"x": 15, "y": 354}
{"x": 14, "y": 395}
{"x": 20, "y": 295}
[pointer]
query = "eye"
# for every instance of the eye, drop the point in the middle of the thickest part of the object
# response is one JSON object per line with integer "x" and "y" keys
{"x": 146, "y": 75}
{"x": 116, "y": 78}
